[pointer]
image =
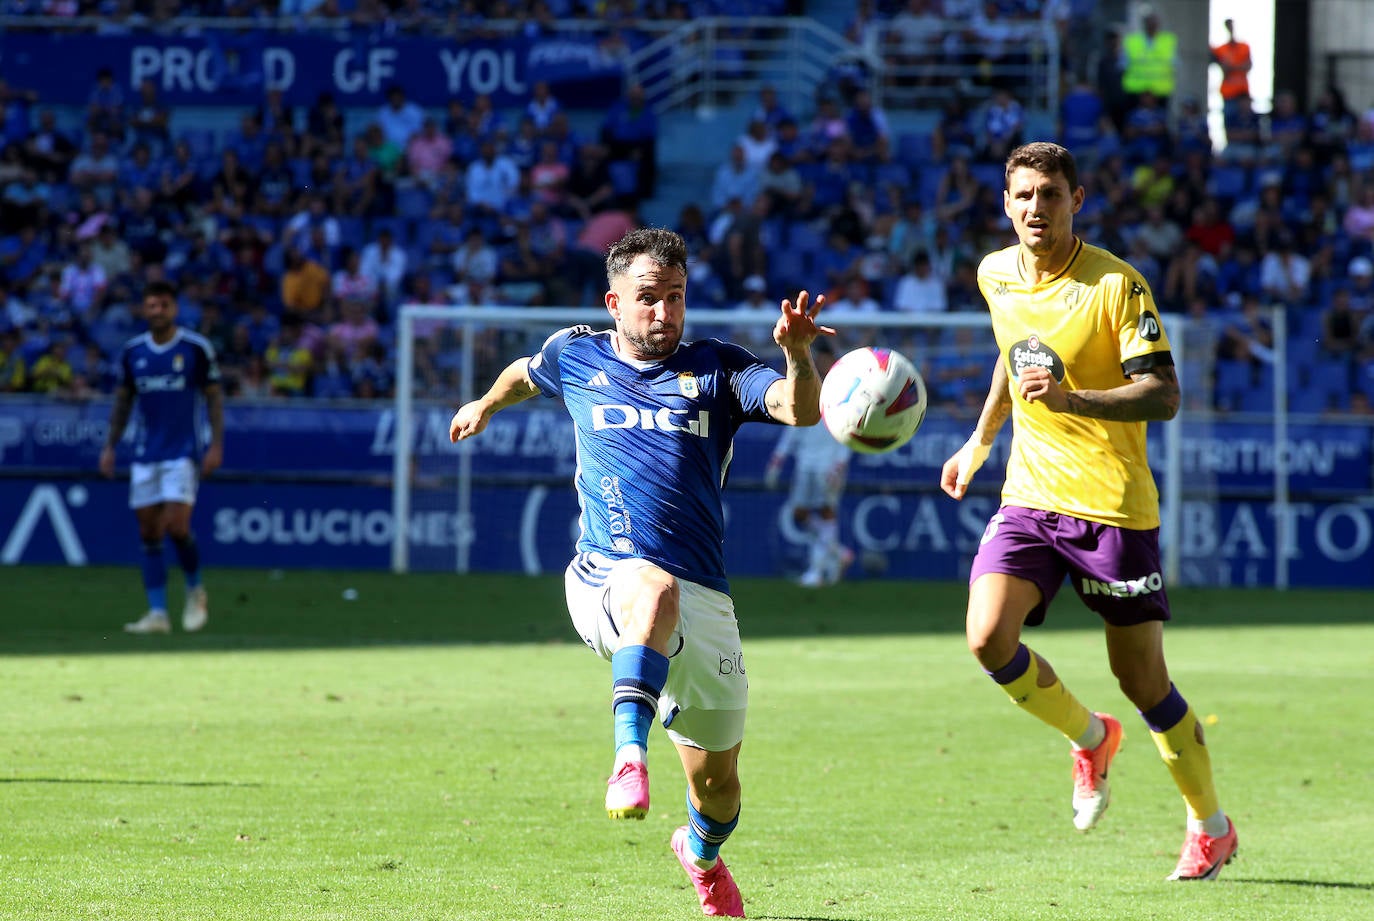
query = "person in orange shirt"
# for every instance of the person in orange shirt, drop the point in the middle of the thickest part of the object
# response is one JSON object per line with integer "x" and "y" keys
{"x": 1233, "y": 57}
{"x": 304, "y": 284}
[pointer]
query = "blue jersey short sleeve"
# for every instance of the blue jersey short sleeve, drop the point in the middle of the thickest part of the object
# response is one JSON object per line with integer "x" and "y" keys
{"x": 167, "y": 382}
{"x": 654, "y": 444}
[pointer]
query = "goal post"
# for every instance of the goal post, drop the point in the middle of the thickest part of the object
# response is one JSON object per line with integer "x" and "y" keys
{"x": 431, "y": 477}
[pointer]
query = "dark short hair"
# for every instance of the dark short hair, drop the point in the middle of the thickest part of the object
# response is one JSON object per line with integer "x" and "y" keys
{"x": 661, "y": 245}
{"x": 160, "y": 288}
{"x": 1043, "y": 157}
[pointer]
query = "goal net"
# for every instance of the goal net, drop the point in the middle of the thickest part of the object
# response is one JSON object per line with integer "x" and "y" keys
{"x": 503, "y": 501}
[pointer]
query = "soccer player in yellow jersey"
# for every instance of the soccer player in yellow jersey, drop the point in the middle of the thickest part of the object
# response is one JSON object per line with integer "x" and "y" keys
{"x": 1084, "y": 365}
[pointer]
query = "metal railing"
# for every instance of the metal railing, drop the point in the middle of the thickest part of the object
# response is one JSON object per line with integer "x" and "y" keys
{"x": 712, "y": 61}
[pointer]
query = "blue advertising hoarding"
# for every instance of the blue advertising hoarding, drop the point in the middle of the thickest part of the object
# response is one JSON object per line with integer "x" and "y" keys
{"x": 307, "y": 485}
{"x": 534, "y": 442}
{"x": 237, "y": 68}
{"x": 531, "y": 529}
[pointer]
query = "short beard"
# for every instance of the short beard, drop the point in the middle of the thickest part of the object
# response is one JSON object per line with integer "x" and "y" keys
{"x": 644, "y": 346}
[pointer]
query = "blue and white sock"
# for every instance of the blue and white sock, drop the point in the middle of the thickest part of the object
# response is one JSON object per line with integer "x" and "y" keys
{"x": 705, "y": 835}
{"x": 638, "y": 674}
{"x": 155, "y": 575}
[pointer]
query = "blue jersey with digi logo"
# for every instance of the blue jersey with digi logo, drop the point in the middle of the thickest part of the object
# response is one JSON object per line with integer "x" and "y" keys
{"x": 654, "y": 441}
{"x": 167, "y": 382}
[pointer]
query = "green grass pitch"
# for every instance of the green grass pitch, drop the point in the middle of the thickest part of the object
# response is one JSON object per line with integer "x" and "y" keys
{"x": 437, "y": 749}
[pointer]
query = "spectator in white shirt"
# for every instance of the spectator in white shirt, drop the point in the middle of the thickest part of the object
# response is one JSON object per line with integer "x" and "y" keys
{"x": 385, "y": 264}
{"x": 491, "y": 181}
{"x": 399, "y": 119}
{"x": 315, "y": 215}
{"x": 735, "y": 179}
{"x": 542, "y": 106}
{"x": 1285, "y": 273}
{"x": 920, "y": 290}
{"x": 83, "y": 284}
{"x": 758, "y": 145}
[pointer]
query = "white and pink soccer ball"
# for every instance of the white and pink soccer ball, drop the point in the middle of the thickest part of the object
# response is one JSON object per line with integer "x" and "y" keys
{"x": 873, "y": 400}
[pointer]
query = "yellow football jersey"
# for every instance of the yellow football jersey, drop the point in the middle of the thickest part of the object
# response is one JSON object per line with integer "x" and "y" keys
{"x": 1092, "y": 326}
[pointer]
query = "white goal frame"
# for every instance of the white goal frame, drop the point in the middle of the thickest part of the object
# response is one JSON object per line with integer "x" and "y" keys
{"x": 470, "y": 318}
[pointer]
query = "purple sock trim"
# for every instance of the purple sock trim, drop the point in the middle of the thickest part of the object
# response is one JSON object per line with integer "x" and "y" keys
{"x": 1018, "y": 666}
{"x": 1166, "y": 714}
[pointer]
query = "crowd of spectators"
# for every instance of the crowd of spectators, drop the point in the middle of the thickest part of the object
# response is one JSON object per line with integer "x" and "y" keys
{"x": 1282, "y": 214}
{"x": 294, "y": 237}
{"x": 293, "y": 240}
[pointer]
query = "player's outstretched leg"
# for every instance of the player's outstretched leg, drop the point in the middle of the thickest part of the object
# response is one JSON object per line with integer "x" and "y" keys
{"x": 697, "y": 847}
{"x": 1091, "y": 791}
{"x": 155, "y": 586}
{"x": 1211, "y": 840}
{"x": 638, "y": 674}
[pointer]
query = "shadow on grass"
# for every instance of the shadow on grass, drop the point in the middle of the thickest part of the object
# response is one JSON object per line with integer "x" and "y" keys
{"x": 1310, "y": 883}
{"x": 65, "y": 611}
{"x": 128, "y": 783}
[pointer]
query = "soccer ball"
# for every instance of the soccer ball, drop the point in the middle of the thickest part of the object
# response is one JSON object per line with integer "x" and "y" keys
{"x": 873, "y": 400}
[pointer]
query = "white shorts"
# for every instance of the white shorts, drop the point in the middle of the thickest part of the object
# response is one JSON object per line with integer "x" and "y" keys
{"x": 704, "y": 701}
{"x": 816, "y": 489}
{"x": 163, "y": 481}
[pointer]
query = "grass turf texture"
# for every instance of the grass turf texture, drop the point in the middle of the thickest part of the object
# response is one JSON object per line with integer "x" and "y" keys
{"x": 437, "y": 749}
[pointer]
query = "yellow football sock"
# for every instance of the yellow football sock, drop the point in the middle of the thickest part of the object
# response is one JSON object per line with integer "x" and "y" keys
{"x": 1185, "y": 755}
{"x": 1053, "y": 704}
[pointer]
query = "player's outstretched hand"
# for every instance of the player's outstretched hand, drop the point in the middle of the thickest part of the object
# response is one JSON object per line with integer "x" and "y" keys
{"x": 797, "y": 327}
{"x": 959, "y": 470}
{"x": 467, "y": 421}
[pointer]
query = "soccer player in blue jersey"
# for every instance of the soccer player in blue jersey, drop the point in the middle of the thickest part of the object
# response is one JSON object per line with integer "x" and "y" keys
{"x": 655, "y": 417}
{"x": 165, "y": 372}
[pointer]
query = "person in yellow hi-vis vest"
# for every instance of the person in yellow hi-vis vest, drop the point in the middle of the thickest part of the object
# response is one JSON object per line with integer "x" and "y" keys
{"x": 1151, "y": 59}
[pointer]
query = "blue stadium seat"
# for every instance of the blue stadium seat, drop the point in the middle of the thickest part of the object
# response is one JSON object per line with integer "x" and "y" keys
{"x": 1230, "y": 181}
{"x": 1233, "y": 379}
{"x": 1331, "y": 377}
{"x": 203, "y": 142}
{"x": 399, "y": 227}
{"x": 624, "y": 177}
{"x": 788, "y": 268}
{"x": 914, "y": 148}
{"x": 1260, "y": 397}
{"x": 1306, "y": 400}
{"x": 352, "y": 232}
{"x": 413, "y": 202}
{"x": 992, "y": 175}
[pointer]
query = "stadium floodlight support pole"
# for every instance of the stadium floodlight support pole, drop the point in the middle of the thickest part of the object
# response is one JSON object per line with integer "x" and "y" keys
{"x": 1173, "y": 465}
{"x": 400, "y": 446}
{"x": 1278, "y": 322}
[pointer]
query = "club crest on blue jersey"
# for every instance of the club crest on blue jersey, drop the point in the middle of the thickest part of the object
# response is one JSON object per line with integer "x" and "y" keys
{"x": 687, "y": 385}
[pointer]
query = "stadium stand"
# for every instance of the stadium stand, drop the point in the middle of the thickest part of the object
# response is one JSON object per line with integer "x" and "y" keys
{"x": 295, "y": 233}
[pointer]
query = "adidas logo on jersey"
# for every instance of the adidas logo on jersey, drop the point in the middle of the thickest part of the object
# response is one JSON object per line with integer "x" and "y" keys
{"x": 599, "y": 379}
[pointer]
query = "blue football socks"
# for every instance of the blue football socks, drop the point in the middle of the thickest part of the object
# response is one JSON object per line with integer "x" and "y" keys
{"x": 155, "y": 575}
{"x": 638, "y": 674}
{"x": 705, "y": 835}
{"x": 188, "y": 555}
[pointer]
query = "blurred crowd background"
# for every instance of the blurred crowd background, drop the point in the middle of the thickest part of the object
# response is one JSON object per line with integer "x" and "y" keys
{"x": 295, "y": 232}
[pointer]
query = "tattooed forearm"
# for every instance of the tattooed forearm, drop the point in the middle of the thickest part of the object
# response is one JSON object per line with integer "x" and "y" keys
{"x": 1152, "y": 396}
{"x": 996, "y": 408}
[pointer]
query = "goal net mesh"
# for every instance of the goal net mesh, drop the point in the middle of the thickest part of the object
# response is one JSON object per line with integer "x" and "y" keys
{"x": 503, "y": 501}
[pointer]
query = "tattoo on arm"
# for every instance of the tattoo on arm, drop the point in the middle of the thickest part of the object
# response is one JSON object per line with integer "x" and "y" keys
{"x": 997, "y": 407}
{"x": 119, "y": 415}
{"x": 1152, "y": 396}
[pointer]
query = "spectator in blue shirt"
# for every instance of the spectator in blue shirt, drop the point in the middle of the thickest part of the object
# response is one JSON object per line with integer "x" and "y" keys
{"x": 630, "y": 132}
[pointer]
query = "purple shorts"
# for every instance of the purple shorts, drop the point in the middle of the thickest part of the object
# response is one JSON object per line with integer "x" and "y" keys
{"x": 1116, "y": 571}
